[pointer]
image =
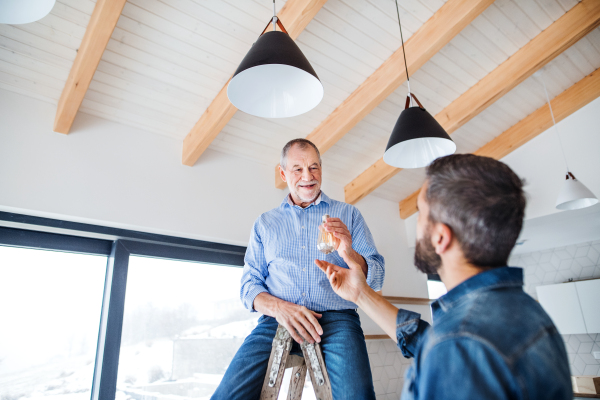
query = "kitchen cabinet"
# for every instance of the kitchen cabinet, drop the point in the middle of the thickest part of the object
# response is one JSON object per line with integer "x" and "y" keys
{"x": 574, "y": 307}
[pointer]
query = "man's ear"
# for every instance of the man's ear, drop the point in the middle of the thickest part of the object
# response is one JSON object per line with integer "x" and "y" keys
{"x": 281, "y": 173}
{"x": 441, "y": 237}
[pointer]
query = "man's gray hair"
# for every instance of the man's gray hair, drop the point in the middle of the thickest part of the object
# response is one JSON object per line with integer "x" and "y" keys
{"x": 303, "y": 144}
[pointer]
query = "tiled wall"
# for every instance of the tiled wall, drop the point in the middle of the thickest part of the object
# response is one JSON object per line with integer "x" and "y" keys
{"x": 388, "y": 367}
{"x": 557, "y": 265}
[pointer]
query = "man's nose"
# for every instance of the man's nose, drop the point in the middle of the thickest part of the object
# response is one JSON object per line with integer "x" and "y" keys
{"x": 306, "y": 175}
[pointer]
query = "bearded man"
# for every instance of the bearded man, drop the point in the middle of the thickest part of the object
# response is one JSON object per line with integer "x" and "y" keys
{"x": 490, "y": 340}
{"x": 281, "y": 281}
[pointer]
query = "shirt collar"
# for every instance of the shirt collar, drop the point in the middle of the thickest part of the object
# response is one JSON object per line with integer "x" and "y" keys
{"x": 491, "y": 279}
{"x": 321, "y": 198}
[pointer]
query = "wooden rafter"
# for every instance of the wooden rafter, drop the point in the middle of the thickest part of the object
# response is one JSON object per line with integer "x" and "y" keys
{"x": 555, "y": 39}
{"x": 99, "y": 30}
{"x": 295, "y": 15}
{"x": 563, "y": 105}
{"x": 444, "y": 25}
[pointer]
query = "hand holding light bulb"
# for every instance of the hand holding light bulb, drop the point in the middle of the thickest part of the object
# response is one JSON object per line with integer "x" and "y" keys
{"x": 334, "y": 235}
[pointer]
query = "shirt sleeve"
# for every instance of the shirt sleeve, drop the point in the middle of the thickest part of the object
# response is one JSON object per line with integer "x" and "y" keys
{"x": 464, "y": 368}
{"x": 255, "y": 270}
{"x": 410, "y": 331}
{"x": 363, "y": 244}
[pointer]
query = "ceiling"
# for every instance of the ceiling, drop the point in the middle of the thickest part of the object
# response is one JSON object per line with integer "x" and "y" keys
{"x": 167, "y": 60}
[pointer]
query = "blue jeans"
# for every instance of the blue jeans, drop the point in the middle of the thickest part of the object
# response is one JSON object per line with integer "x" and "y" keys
{"x": 344, "y": 351}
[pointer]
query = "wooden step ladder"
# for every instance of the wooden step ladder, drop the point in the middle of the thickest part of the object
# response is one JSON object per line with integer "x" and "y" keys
{"x": 281, "y": 359}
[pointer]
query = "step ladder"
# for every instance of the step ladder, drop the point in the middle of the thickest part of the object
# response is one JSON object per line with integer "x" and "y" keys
{"x": 281, "y": 359}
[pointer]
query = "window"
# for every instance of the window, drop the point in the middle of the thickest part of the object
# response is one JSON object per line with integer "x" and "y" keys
{"x": 66, "y": 319}
{"x": 50, "y": 304}
{"x": 436, "y": 289}
{"x": 183, "y": 324}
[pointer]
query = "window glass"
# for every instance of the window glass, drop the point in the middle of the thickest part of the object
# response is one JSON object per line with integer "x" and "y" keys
{"x": 182, "y": 325}
{"x": 436, "y": 289}
{"x": 50, "y": 305}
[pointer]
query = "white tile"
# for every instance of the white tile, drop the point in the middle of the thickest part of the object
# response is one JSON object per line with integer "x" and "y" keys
{"x": 550, "y": 277}
{"x": 540, "y": 273}
{"x": 572, "y": 249}
{"x": 563, "y": 254}
{"x": 374, "y": 346}
{"x": 565, "y": 264}
{"x": 390, "y": 346}
{"x": 554, "y": 260}
{"x": 377, "y": 373}
{"x": 392, "y": 385}
{"x": 593, "y": 255}
{"x": 379, "y": 390}
{"x": 582, "y": 251}
{"x": 574, "y": 343}
{"x": 389, "y": 359}
{"x": 579, "y": 365}
{"x": 382, "y": 352}
{"x": 545, "y": 256}
{"x": 384, "y": 380}
{"x": 585, "y": 338}
{"x": 571, "y": 358}
{"x": 591, "y": 370}
{"x": 398, "y": 366}
{"x": 587, "y": 272}
{"x": 576, "y": 269}
{"x": 584, "y": 262}
{"x": 589, "y": 359}
{"x": 585, "y": 348}
{"x": 536, "y": 256}
{"x": 393, "y": 396}
{"x": 596, "y": 272}
{"x": 375, "y": 360}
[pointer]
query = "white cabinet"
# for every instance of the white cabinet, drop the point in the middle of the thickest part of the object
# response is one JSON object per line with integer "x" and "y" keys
{"x": 589, "y": 298}
{"x": 574, "y": 307}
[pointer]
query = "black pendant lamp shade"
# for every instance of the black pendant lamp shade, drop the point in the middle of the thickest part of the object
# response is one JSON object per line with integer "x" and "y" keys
{"x": 275, "y": 80}
{"x": 417, "y": 139}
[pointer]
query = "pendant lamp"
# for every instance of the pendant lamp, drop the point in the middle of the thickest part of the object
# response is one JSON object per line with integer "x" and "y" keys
{"x": 573, "y": 195}
{"x": 275, "y": 80}
{"x": 24, "y": 11}
{"x": 417, "y": 138}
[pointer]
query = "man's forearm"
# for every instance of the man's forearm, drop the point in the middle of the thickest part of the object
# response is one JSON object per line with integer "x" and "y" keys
{"x": 379, "y": 310}
{"x": 266, "y": 303}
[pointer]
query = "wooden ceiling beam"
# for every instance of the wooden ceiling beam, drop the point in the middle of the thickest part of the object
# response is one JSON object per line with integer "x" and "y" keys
{"x": 295, "y": 15}
{"x": 563, "y": 105}
{"x": 442, "y": 27}
{"x": 99, "y": 30}
{"x": 568, "y": 29}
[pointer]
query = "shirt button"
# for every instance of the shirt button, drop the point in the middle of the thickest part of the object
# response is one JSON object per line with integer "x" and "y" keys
{"x": 303, "y": 294}
{"x": 303, "y": 227}
{"x": 303, "y": 247}
{"x": 303, "y": 269}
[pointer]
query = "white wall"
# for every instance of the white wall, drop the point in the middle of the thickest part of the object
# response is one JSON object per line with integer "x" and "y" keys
{"x": 115, "y": 175}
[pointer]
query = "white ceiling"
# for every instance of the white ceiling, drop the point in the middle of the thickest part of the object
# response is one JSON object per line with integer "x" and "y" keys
{"x": 167, "y": 59}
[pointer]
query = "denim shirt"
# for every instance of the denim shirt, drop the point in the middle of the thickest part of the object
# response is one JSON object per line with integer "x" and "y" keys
{"x": 490, "y": 340}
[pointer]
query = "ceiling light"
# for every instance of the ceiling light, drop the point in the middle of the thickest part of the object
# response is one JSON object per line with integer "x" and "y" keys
{"x": 275, "y": 80}
{"x": 417, "y": 138}
{"x": 15, "y": 12}
{"x": 573, "y": 195}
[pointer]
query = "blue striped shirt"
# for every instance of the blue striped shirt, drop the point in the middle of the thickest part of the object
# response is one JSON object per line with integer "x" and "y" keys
{"x": 282, "y": 249}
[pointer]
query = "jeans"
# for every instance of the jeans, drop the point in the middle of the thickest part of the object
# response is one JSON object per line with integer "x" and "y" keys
{"x": 344, "y": 350}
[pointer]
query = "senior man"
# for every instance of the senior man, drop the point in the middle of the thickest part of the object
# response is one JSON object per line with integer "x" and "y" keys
{"x": 490, "y": 340}
{"x": 281, "y": 281}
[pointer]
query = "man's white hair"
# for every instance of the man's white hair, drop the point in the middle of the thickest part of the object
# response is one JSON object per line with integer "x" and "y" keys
{"x": 303, "y": 144}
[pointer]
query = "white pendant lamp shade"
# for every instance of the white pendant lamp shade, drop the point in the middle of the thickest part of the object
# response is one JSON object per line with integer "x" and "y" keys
{"x": 275, "y": 80}
{"x": 574, "y": 195}
{"x": 24, "y": 11}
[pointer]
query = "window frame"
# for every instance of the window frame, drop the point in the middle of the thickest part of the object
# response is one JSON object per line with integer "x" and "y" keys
{"x": 26, "y": 231}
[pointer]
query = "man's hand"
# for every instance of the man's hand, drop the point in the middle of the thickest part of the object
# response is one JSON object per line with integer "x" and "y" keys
{"x": 347, "y": 283}
{"x": 300, "y": 322}
{"x": 341, "y": 233}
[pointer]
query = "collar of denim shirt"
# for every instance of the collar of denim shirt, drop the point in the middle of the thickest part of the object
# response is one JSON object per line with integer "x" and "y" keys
{"x": 499, "y": 277}
{"x": 322, "y": 197}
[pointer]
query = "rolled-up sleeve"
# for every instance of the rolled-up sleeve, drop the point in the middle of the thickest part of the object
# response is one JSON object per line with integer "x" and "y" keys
{"x": 363, "y": 244}
{"x": 410, "y": 330}
{"x": 255, "y": 270}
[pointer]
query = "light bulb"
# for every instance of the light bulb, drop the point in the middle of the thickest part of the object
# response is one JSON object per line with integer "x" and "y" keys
{"x": 327, "y": 241}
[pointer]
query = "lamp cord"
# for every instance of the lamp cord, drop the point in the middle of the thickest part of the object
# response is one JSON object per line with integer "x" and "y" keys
{"x": 403, "y": 52}
{"x": 274, "y": 17}
{"x": 554, "y": 122}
